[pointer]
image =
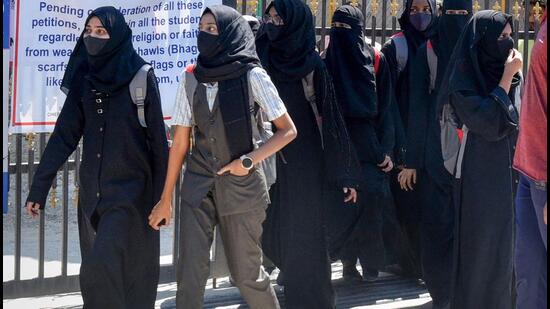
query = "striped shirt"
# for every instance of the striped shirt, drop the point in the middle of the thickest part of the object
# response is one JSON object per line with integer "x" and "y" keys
{"x": 263, "y": 91}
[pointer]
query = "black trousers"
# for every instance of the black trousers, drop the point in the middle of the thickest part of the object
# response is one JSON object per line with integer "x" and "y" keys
{"x": 120, "y": 259}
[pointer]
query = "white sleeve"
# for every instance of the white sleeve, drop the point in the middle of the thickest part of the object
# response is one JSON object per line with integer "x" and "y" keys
{"x": 183, "y": 114}
{"x": 265, "y": 94}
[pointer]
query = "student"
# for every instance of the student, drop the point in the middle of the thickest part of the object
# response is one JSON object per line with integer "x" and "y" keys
{"x": 417, "y": 23}
{"x": 317, "y": 169}
{"x": 531, "y": 161}
{"x": 482, "y": 84}
{"x": 424, "y": 159}
{"x": 363, "y": 90}
{"x": 123, "y": 165}
{"x": 223, "y": 185}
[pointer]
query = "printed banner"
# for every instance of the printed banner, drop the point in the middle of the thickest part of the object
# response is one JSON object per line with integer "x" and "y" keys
{"x": 164, "y": 34}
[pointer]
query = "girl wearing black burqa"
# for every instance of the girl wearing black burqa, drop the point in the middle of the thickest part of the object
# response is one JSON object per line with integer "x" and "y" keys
{"x": 424, "y": 155}
{"x": 362, "y": 83}
{"x": 123, "y": 165}
{"x": 482, "y": 84}
{"x": 222, "y": 186}
{"x": 417, "y": 24}
{"x": 318, "y": 168}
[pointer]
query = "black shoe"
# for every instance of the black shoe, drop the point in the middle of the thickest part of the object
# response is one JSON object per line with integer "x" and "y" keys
{"x": 395, "y": 269}
{"x": 281, "y": 279}
{"x": 370, "y": 275}
{"x": 351, "y": 274}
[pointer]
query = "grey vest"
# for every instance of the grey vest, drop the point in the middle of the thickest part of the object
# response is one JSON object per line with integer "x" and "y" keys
{"x": 209, "y": 154}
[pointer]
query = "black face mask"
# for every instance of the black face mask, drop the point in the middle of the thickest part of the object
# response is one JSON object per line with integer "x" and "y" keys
{"x": 273, "y": 32}
{"x": 207, "y": 44}
{"x": 94, "y": 45}
{"x": 421, "y": 21}
{"x": 505, "y": 46}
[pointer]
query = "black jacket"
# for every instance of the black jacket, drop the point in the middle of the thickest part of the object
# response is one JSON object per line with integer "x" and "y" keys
{"x": 123, "y": 164}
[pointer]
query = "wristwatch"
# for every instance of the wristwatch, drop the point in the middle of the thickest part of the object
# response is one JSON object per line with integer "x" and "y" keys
{"x": 246, "y": 162}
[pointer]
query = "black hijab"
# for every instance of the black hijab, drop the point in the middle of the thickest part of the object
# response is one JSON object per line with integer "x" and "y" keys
{"x": 449, "y": 29}
{"x": 415, "y": 37}
{"x": 292, "y": 55}
{"x": 228, "y": 61}
{"x": 476, "y": 64}
{"x": 350, "y": 63}
{"x": 235, "y": 51}
{"x": 114, "y": 66}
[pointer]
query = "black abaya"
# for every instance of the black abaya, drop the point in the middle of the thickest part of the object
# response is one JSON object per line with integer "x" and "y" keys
{"x": 122, "y": 175}
{"x": 425, "y": 155}
{"x": 316, "y": 167}
{"x": 365, "y": 97}
{"x": 407, "y": 203}
{"x": 484, "y": 234}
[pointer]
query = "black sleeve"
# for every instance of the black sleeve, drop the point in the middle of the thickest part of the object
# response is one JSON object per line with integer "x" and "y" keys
{"x": 385, "y": 93}
{"x": 156, "y": 135}
{"x": 62, "y": 143}
{"x": 493, "y": 117}
{"x": 389, "y": 53}
{"x": 419, "y": 108}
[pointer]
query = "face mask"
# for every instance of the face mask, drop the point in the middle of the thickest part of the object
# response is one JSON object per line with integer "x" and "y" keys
{"x": 273, "y": 32}
{"x": 421, "y": 21}
{"x": 94, "y": 45}
{"x": 505, "y": 46}
{"x": 207, "y": 43}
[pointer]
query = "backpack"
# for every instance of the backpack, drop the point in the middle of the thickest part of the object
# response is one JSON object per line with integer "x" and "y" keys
{"x": 261, "y": 128}
{"x": 138, "y": 92}
{"x": 402, "y": 56}
{"x": 453, "y": 137}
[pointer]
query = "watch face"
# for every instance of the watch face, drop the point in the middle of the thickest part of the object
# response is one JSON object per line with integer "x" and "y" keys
{"x": 247, "y": 163}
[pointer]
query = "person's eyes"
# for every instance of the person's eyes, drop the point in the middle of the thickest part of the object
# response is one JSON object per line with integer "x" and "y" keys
{"x": 101, "y": 31}
{"x": 88, "y": 30}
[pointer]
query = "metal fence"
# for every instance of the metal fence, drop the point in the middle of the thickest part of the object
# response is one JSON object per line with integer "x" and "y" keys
{"x": 383, "y": 23}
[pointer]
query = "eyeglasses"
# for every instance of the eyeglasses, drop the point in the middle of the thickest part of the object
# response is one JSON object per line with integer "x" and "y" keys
{"x": 277, "y": 20}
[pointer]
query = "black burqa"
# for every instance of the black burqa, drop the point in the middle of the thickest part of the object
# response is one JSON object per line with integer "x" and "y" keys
{"x": 226, "y": 59}
{"x": 365, "y": 98}
{"x": 424, "y": 152}
{"x": 484, "y": 234}
{"x": 315, "y": 169}
{"x": 122, "y": 171}
{"x": 407, "y": 203}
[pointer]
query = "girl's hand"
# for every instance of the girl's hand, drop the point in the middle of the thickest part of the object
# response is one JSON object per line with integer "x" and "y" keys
{"x": 234, "y": 168}
{"x": 352, "y": 196}
{"x": 387, "y": 165}
{"x": 406, "y": 178}
{"x": 33, "y": 209}
{"x": 161, "y": 211}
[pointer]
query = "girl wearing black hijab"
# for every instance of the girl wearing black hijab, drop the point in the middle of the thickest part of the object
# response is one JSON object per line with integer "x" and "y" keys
{"x": 362, "y": 83}
{"x": 417, "y": 24}
{"x": 317, "y": 169}
{"x": 222, "y": 186}
{"x": 482, "y": 84}
{"x": 424, "y": 155}
{"x": 123, "y": 165}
